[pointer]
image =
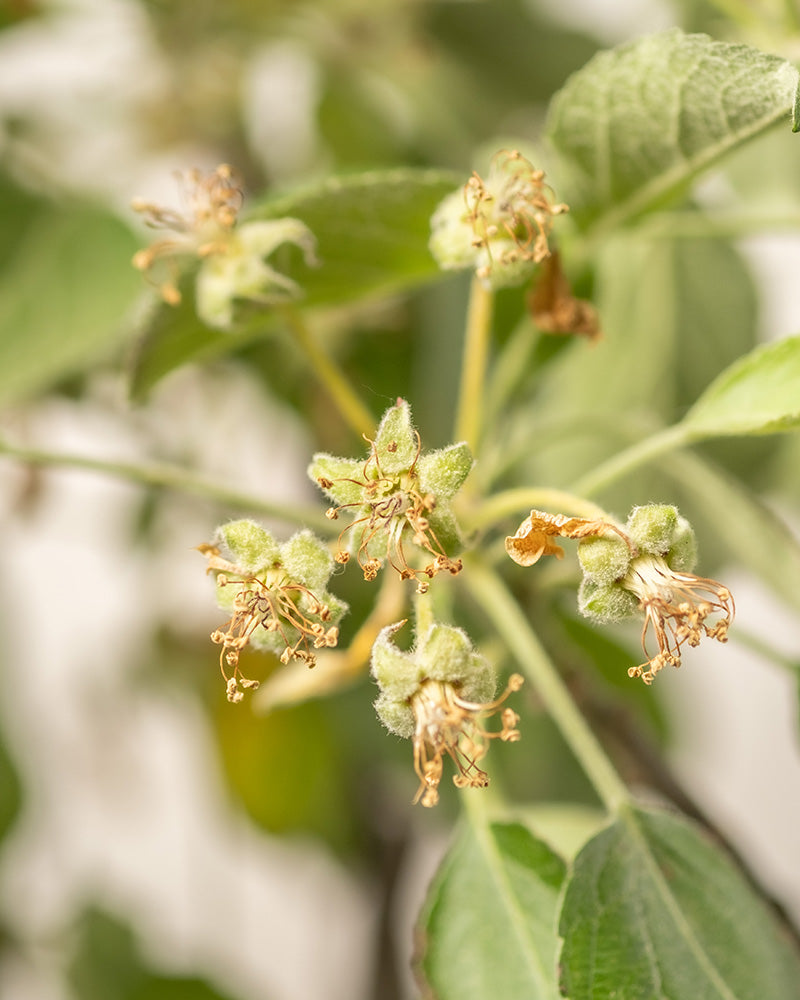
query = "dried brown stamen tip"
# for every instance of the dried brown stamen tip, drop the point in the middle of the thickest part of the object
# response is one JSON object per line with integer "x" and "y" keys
{"x": 447, "y": 724}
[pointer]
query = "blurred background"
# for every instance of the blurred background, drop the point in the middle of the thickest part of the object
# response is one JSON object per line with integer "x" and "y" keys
{"x": 156, "y": 841}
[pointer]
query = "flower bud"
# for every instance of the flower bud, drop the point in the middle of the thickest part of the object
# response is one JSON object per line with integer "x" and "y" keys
{"x": 604, "y": 559}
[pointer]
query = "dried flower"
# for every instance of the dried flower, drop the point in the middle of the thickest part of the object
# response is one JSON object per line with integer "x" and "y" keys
{"x": 438, "y": 695}
{"x": 232, "y": 256}
{"x": 644, "y": 568}
{"x": 275, "y": 595}
{"x": 498, "y": 227}
{"x": 398, "y": 498}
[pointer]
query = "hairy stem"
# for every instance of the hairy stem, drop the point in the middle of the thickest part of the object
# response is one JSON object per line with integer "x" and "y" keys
{"x": 496, "y": 601}
{"x": 469, "y": 414}
{"x": 175, "y": 478}
{"x": 353, "y": 411}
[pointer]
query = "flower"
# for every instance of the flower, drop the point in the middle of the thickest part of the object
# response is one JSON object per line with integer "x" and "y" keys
{"x": 643, "y": 569}
{"x": 232, "y": 255}
{"x": 438, "y": 696}
{"x": 275, "y": 596}
{"x": 498, "y": 227}
{"x": 398, "y": 497}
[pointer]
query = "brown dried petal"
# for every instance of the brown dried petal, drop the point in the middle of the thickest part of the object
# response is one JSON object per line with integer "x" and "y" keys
{"x": 534, "y": 537}
{"x": 555, "y": 309}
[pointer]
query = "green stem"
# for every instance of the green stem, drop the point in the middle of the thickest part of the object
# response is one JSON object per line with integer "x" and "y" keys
{"x": 423, "y": 613}
{"x": 353, "y": 411}
{"x": 525, "y": 498}
{"x": 512, "y": 365}
{"x": 469, "y": 413}
{"x": 496, "y": 601}
{"x": 623, "y": 462}
{"x": 175, "y": 478}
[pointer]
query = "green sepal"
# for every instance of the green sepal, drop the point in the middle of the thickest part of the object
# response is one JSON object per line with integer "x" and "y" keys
{"x": 604, "y": 559}
{"x": 445, "y": 527}
{"x": 682, "y": 556}
{"x": 444, "y": 653}
{"x": 610, "y": 603}
{"x": 396, "y": 442}
{"x": 346, "y": 476}
{"x": 443, "y": 472}
{"x": 397, "y": 673}
{"x": 253, "y": 548}
{"x": 396, "y": 714}
{"x": 307, "y": 560}
{"x": 653, "y": 527}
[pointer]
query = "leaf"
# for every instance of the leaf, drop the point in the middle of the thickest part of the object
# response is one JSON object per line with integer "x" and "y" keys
{"x": 637, "y": 123}
{"x": 372, "y": 234}
{"x": 62, "y": 298}
{"x": 750, "y": 533}
{"x": 488, "y": 924}
{"x": 759, "y": 394}
{"x": 653, "y": 909}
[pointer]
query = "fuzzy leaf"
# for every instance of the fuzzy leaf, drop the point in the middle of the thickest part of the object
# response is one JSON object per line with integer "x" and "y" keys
{"x": 653, "y": 909}
{"x": 62, "y": 298}
{"x": 487, "y": 928}
{"x": 759, "y": 394}
{"x": 371, "y": 233}
{"x": 637, "y": 123}
{"x": 443, "y": 472}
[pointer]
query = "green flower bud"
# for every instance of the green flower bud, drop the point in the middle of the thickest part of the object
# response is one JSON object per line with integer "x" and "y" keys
{"x": 653, "y": 528}
{"x": 609, "y": 603}
{"x": 604, "y": 559}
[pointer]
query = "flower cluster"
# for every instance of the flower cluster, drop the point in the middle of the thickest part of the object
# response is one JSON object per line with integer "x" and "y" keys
{"x": 275, "y": 595}
{"x": 498, "y": 227}
{"x": 232, "y": 256}
{"x": 397, "y": 497}
{"x": 437, "y": 695}
{"x": 643, "y": 568}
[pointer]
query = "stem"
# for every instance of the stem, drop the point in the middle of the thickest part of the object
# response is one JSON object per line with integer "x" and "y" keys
{"x": 469, "y": 414}
{"x": 490, "y": 592}
{"x": 175, "y": 478}
{"x": 423, "y": 611}
{"x": 511, "y": 366}
{"x": 353, "y": 411}
{"x": 524, "y": 499}
{"x": 623, "y": 462}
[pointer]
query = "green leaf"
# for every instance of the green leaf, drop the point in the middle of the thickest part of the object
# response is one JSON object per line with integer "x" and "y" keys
{"x": 488, "y": 924}
{"x": 653, "y": 909}
{"x": 749, "y": 532}
{"x": 63, "y": 299}
{"x": 372, "y": 239}
{"x": 637, "y": 123}
{"x": 759, "y": 394}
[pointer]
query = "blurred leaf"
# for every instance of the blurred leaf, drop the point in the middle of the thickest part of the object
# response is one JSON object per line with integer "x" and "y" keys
{"x": 18, "y": 209}
{"x": 488, "y": 924}
{"x": 637, "y": 123}
{"x": 63, "y": 297}
{"x": 107, "y": 966}
{"x": 749, "y": 531}
{"x": 10, "y": 792}
{"x": 506, "y": 48}
{"x": 654, "y": 909}
{"x": 287, "y": 771}
{"x": 759, "y": 394}
{"x": 371, "y": 229}
{"x": 674, "y": 314}
{"x": 372, "y": 239}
